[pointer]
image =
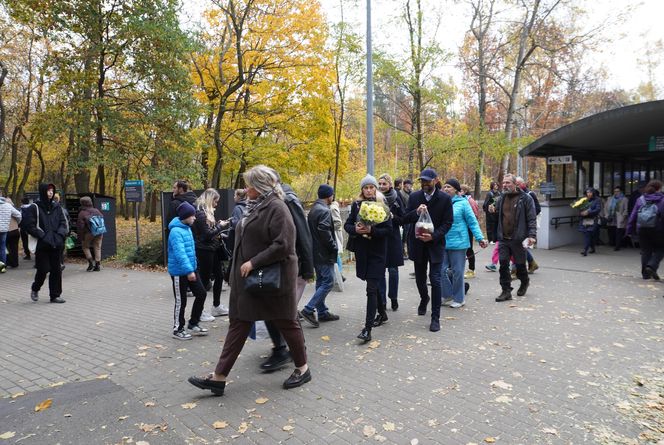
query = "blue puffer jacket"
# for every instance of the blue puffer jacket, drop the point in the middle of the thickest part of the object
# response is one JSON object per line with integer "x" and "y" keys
{"x": 181, "y": 249}
{"x": 464, "y": 219}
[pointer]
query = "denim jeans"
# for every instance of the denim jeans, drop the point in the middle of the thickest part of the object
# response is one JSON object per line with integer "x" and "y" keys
{"x": 324, "y": 283}
{"x": 436, "y": 285}
{"x": 3, "y": 247}
{"x": 454, "y": 262}
{"x": 393, "y": 274}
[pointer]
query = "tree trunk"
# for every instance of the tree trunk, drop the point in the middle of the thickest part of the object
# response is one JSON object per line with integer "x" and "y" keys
{"x": 3, "y": 74}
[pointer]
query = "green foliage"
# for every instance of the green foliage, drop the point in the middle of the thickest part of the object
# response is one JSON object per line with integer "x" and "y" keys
{"x": 150, "y": 253}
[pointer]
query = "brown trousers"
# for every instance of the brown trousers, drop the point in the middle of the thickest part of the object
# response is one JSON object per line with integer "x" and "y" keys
{"x": 93, "y": 242}
{"x": 237, "y": 336}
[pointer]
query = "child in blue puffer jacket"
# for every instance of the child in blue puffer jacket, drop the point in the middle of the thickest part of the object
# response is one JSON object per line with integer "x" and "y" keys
{"x": 182, "y": 267}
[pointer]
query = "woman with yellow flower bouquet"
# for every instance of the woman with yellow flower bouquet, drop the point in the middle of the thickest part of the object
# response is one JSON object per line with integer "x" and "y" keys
{"x": 589, "y": 209}
{"x": 370, "y": 225}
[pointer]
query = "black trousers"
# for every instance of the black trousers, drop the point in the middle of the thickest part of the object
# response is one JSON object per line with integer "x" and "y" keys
{"x": 180, "y": 287}
{"x": 374, "y": 303}
{"x": 470, "y": 253}
{"x": 12, "y": 248}
{"x": 491, "y": 226}
{"x": 24, "y": 242}
{"x": 210, "y": 265}
{"x": 616, "y": 236}
{"x": 48, "y": 263}
{"x": 506, "y": 250}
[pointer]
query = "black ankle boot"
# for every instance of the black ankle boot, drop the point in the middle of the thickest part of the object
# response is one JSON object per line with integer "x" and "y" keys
{"x": 395, "y": 304}
{"x": 279, "y": 359}
{"x": 97, "y": 267}
{"x": 380, "y": 319}
{"x": 365, "y": 335}
{"x": 90, "y": 266}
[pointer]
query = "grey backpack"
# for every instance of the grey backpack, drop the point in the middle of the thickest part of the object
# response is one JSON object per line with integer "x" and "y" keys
{"x": 648, "y": 215}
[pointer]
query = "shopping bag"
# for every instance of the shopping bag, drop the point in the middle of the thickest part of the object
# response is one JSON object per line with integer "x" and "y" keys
{"x": 338, "y": 280}
{"x": 423, "y": 224}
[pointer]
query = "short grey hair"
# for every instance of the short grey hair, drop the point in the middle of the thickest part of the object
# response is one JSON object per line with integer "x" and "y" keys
{"x": 510, "y": 177}
{"x": 264, "y": 179}
{"x": 519, "y": 179}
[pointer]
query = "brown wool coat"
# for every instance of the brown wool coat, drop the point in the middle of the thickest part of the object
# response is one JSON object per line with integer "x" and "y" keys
{"x": 265, "y": 237}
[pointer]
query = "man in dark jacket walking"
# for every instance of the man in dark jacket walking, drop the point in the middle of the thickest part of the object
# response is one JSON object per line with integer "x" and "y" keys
{"x": 325, "y": 256}
{"x": 426, "y": 249}
{"x": 46, "y": 221}
{"x": 516, "y": 223}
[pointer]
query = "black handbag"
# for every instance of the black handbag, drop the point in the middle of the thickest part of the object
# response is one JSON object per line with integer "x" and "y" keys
{"x": 264, "y": 280}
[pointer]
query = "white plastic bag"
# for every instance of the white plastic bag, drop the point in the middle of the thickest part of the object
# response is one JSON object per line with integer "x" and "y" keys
{"x": 423, "y": 224}
{"x": 338, "y": 280}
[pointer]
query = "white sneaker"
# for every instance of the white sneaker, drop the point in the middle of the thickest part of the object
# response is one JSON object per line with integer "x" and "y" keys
{"x": 447, "y": 301}
{"x": 219, "y": 311}
{"x": 182, "y": 335}
{"x": 457, "y": 305}
{"x": 205, "y": 316}
{"x": 197, "y": 330}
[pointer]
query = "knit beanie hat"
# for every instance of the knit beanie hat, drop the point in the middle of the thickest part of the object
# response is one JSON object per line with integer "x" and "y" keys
{"x": 325, "y": 191}
{"x": 368, "y": 179}
{"x": 185, "y": 210}
{"x": 454, "y": 183}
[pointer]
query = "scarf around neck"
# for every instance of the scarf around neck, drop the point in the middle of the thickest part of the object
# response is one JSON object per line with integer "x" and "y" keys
{"x": 390, "y": 197}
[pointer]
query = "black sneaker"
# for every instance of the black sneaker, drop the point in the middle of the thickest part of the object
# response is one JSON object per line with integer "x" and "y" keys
{"x": 276, "y": 361}
{"x": 422, "y": 308}
{"x": 310, "y": 317}
{"x": 328, "y": 316}
{"x": 435, "y": 326}
{"x": 466, "y": 288}
{"x": 395, "y": 304}
{"x": 652, "y": 273}
{"x": 522, "y": 289}
{"x": 504, "y": 296}
{"x": 365, "y": 335}
{"x": 57, "y": 300}
{"x": 34, "y": 295}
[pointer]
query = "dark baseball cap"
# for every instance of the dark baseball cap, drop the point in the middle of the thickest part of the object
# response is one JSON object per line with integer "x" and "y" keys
{"x": 428, "y": 174}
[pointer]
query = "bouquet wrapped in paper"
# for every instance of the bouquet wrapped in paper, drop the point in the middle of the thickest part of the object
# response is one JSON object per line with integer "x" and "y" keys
{"x": 581, "y": 204}
{"x": 372, "y": 213}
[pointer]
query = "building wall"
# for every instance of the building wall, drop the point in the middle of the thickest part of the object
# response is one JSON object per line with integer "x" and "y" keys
{"x": 549, "y": 237}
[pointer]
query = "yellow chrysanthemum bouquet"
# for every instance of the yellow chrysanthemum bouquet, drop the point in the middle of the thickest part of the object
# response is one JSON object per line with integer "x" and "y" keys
{"x": 581, "y": 204}
{"x": 372, "y": 213}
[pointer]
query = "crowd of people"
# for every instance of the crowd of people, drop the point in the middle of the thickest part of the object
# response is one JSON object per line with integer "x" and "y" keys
{"x": 277, "y": 249}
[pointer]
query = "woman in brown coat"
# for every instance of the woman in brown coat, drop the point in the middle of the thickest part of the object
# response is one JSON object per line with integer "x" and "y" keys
{"x": 266, "y": 235}
{"x": 91, "y": 244}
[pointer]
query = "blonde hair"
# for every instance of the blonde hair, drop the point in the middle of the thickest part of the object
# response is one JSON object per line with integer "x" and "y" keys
{"x": 205, "y": 202}
{"x": 264, "y": 179}
{"x": 387, "y": 178}
{"x": 379, "y": 196}
{"x": 465, "y": 188}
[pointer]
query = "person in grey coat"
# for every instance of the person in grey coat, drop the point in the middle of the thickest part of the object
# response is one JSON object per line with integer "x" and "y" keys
{"x": 264, "y": 237}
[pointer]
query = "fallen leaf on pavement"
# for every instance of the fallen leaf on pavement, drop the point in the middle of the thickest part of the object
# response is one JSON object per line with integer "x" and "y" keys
{"x": 17, "y": 395}
{"x": 46, "y": 404}
{"x": 490, "y": 440}
{"x": 144, "y": 348}
{"x": 7, "y": 435}
{"x": 389, "y": 426}
{"x": 288, "y": 428}
{"x": 149, "y": 404}
{"x": 552, "y": 431}
{"x": 325, "y": 352}
{"x": 414, "y": 441}
{"x": 374, "y": 344}
{"x": 243, "y": 428}
{"x": 149, "y": 427}
{"x": 142, "y": 442}
{"x": 261, "y": 400}
{"x": 142, "y": 354}
{"x": 191, "y": 405}
{"x": 325, "y": 338}
{"x": 123, "y": 417}
{"x": 219, "y": 424}
{"x": 501, "y": 384}
{"x": 368, "y": 431}
{"x": 102, "y": 376}
{"x": 56, "y": 384}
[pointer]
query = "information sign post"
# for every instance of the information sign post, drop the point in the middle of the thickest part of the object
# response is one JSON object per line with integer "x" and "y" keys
{"x": 135, "y": 192}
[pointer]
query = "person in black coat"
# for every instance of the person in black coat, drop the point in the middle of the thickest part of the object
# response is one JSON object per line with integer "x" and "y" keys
{"x": 325, "y": 256}
{"x": 370, "y": 247}
{"x": 491, "y": 217}
{"x": 427, "y": 249}
{"x": 46, "y": 221}
{"x": 181, "y": 193}
{"x": 394, "y": 244}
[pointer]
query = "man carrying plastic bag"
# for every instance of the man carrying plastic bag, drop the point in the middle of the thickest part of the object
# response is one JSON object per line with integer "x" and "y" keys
{"x": 431, "y": 211}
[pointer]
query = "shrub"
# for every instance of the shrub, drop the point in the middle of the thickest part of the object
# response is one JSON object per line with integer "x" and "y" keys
{"x": 150, "y": 253}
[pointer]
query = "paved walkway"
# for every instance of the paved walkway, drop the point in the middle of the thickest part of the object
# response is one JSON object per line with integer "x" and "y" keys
{"x": 574, "y": 361}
